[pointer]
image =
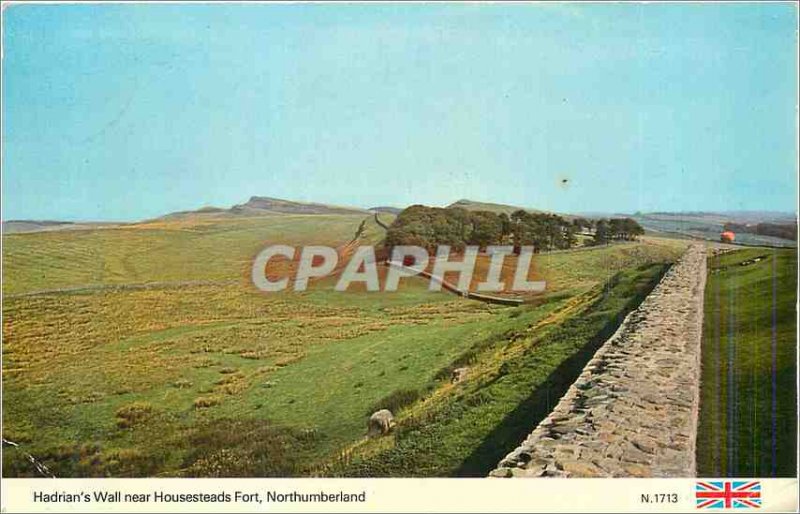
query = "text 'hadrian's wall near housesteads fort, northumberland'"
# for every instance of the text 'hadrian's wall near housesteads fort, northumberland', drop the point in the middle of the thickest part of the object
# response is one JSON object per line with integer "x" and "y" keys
{"x": 633, "y": 410}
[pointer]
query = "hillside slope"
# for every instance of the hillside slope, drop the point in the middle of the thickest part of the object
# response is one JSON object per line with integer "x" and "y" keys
{"x": 497, "y": 208}
{"x": 264, "y": 205}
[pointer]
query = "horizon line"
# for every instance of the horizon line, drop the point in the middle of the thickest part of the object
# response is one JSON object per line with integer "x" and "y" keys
{"x": 355, "y": 207}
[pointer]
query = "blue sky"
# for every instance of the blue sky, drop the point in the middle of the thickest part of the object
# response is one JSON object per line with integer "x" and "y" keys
{"x": 122, "y": 112}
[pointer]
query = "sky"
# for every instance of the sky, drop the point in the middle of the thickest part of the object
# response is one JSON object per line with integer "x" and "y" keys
{"x": 126, "y": 112}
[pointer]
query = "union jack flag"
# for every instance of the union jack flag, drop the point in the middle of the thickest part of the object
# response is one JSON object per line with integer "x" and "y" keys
{"x": 728, "y": 494}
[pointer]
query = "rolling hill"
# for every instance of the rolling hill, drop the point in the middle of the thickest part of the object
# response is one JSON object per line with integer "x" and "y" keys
{"x": 387, "y": 209}
{"x": 143, "y": 350}
{"x": 709, "y": 225}
{"x": 472, "y": 205}
{"x": 497, "y": 208}
{"x": 25, "y": 226}
{"x": 264, "y": 205}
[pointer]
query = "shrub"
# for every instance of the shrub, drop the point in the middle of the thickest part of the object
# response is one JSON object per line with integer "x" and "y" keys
{"x": 131, "y": 462}
{"x": 247, "y": 448}
{"x": 133, "y": 414}
{"x": 395, "y": 401}
{"x": 206, "y": 401}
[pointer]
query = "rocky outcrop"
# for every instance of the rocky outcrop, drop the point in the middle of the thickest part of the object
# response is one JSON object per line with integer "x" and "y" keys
{"x": 633, "y": 410}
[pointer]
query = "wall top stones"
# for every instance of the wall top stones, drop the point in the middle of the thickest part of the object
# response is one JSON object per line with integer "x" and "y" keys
{"x": 633, "y": 410}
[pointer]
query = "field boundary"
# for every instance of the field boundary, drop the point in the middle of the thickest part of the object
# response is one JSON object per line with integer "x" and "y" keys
{"x": 633, "y": 410}
{"x": 460, "y": 292}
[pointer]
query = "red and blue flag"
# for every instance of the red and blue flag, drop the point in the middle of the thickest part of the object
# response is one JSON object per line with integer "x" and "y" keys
{"x": 728, "y": 494}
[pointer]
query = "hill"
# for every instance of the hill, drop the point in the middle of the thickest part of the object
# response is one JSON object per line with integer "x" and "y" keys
{"x": 264, "y": 205}
{"x": 387, "y": 209}
{"x": 154, "y": 354}
{"x": 709, "y": 225}
{"x": 25, "y": 226}
{"x": 18, "y": 226}
{"x": 497, "y": 208}
{"x": 258, "y": 204}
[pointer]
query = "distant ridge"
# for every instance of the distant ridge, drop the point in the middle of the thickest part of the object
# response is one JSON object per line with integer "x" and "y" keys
{"x": 497, "y": 208}
{"x": 741, "y": 216}
{"x": 658, "y": 221}
{"x": 386, "y": 209}
{"x": 264, "y": 205}
{"x": 709, "y": 225}
{"x": 24, "y": 226}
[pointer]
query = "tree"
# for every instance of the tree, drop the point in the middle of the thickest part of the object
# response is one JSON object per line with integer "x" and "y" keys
{"x": 487, "y": 228}
{"x": 632, "y": 229}
{"x": 506, "y": 226}
{"x": 601, "y": 232}
{"x": 430, "y": 226}
{"x": 615, "y": 228}
{"x": 580, "y": 223}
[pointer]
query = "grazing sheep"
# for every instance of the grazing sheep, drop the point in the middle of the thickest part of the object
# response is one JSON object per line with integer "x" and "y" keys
{"x": 458, "y": 375}
{"x": 380, "y": 423}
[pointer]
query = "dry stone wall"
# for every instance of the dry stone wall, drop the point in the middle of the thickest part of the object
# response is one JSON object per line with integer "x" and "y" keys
{"x": 633, "y": 410}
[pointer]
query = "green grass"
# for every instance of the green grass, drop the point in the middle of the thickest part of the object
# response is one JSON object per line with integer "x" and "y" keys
{"x": 149, "y": 353}
{"x": 742, "y": 322}
{"x": 517, "y": 379}
{"x": 581, "y": 269}
{"x": 73, "y": 361}
{"x": 203, "y": 249}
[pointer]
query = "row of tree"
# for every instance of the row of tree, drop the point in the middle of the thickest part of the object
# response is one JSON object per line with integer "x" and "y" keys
{"x": 542, "y": 230}
{"x": 616, "y": 229}
{"x": 429, "y": 227}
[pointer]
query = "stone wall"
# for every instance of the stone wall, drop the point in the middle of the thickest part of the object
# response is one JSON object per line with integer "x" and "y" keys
{"x": 633, "y": 410}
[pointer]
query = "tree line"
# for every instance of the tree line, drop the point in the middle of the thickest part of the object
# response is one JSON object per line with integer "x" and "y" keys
{"x": 429, "y": 227}
{"x": 616, "y": 229}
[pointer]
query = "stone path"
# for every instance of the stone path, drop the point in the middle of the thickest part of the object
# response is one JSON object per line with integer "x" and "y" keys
{"x": 633, "y": 410}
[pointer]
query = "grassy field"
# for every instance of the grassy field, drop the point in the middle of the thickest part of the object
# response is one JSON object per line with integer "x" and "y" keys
{"x": 748, "y": 408}
{"x": 144, "y": 351}
{"x": 163, "y": 251}
{"x": 515, "y": 379}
